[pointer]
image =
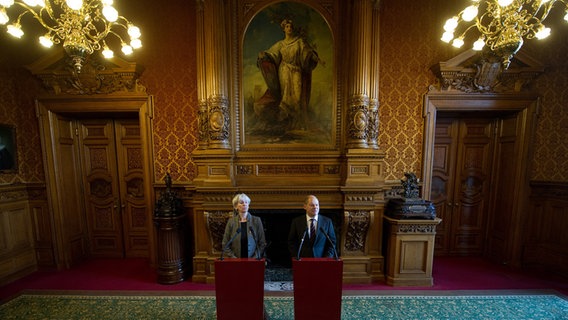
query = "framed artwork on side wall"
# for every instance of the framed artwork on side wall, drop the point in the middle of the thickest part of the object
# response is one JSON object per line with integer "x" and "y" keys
{"x": 8, "y": 151}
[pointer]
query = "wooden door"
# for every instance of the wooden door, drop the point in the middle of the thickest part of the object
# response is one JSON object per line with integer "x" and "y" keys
{"x": 113, "y": 182}
{"x": 461, "y": 180}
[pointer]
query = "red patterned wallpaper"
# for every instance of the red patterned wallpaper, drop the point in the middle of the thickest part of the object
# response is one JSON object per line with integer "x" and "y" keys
{"x": 17, "y": 108}
{"x": 170, "y": 76}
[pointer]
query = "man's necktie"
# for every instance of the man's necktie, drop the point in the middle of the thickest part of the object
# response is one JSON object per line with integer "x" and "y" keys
{"x": 312, "y": 228}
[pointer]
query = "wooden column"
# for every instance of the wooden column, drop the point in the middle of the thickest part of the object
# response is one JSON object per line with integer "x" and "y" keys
{"x": 213, "y": 52}
{"x": 359, "y": 76}
{"x": 373, "y": 122}
{"x": 213, "y": 154}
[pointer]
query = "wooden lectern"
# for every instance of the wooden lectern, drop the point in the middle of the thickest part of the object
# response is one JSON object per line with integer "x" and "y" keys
{"x": 239, "y": 288}
{"x": 317, "y": 288}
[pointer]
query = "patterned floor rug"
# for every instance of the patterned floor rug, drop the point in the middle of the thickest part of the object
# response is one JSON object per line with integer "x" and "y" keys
{"x": 184, "y": 306}
{"x": 278, "y": 286}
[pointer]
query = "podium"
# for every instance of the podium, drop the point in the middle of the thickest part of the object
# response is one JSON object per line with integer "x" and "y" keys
{"x": 239, "y": 288}
{"x": 317, "y": 288}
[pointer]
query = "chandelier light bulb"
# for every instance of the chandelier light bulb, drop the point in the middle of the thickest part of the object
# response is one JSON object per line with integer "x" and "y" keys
{"x": 107, "y": 2}
{"x": 15, "y": 30}
{"x": 479, "y": 44}
{"x": 45, "y": 41}
{"x": 136, "y": 43}
{"x": 542, "y": 33}
{"x": 3, "y": 16}
{"x": 566, "y": 16}
{"x": 451, "y": 24}
{"x": 469, "y": 13}
{"x": 458, "y": 42}
{"x": 6, "y": 3}
{"x": 31, "y": 3}
{"x": 134, "y": 32}
{"x": 447, "y": 36}
{"x": 504, "y": 3}
{"x": 107, "y": 53}
{"x": 110, "y": 13}
{"x": 74, "y": 4}
{"x": 126, "y": 49}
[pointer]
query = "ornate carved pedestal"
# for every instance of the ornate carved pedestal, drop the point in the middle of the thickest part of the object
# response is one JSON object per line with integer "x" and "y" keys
{"x": 169, "y": 219}
{"x": 410, "y": 251}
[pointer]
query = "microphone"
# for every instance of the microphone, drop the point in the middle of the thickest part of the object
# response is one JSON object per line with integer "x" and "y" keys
{"x": 264, "y": 251}
{"x": 229, "y": 243}
{"x": 256, "y": 243}
{"x": 302, "y": 243}
{"x": 331, "y": 242}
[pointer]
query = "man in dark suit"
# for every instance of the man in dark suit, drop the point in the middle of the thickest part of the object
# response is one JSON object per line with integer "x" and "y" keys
{"x": 315, "y": 242}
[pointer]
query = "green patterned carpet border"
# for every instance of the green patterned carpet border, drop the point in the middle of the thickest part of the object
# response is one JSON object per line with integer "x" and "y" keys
{"x": 139, "y": 307}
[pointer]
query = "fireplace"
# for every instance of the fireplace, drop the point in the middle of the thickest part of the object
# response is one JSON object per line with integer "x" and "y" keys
{"x": 357, "y": 216}
{"x": 276, "y": 226}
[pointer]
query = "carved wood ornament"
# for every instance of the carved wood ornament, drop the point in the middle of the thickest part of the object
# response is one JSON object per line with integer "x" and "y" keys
{"x": 98, "y": 75}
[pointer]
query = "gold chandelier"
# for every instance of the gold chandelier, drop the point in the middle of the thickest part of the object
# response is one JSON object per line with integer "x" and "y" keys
{"x": 503, "y": 24}
{"x": 81, "y": 26}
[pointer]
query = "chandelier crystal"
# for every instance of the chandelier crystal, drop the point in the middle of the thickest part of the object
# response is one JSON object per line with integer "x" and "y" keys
{"x": 503, "y": 24}
{"x": 81, "y": 26}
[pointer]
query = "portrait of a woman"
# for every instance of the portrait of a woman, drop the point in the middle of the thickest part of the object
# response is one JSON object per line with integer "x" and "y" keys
{"x": 288, "y": 76}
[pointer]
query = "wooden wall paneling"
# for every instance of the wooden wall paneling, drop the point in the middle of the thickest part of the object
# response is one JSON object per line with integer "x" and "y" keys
{"x": 43, "y": 233}
{"x": 17, "y": 252}
{"x": 545, "y": 243}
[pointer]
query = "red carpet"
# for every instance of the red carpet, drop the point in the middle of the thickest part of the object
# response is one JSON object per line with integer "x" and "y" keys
{"x": 136, "y": 274}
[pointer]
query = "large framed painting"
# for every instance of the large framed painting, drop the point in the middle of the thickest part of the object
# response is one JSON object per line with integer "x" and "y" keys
{"x": 8, "y": 159}
{"x": 288, "y": 79}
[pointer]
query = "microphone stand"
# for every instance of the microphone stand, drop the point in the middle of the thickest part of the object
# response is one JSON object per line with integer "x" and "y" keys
{"x": 255, "y": 243}
{"x": 301, "y": 244}
{"x": 331, "y": 242}
{"x": 229, "y": 243}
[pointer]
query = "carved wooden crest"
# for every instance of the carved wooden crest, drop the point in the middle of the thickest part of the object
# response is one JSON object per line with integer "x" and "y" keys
{"x": 473, "y": 71}
{"x": 98, "y": 75}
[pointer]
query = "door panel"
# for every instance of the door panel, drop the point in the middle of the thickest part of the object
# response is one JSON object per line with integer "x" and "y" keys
{"x": 471, "y": 195}
{"x": 118, "y": 218}
{"x": 460, "y": 183}
{"x": 102, "y": 191}
{"x": 445, "y": 151}
{"x": 503, "y": 200}
{"x": 74, "y": 231}
{"x": 134, "y": 212}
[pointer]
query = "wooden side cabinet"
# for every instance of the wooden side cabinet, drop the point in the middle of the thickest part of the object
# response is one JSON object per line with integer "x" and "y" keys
{"x": 410, "y": 251}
